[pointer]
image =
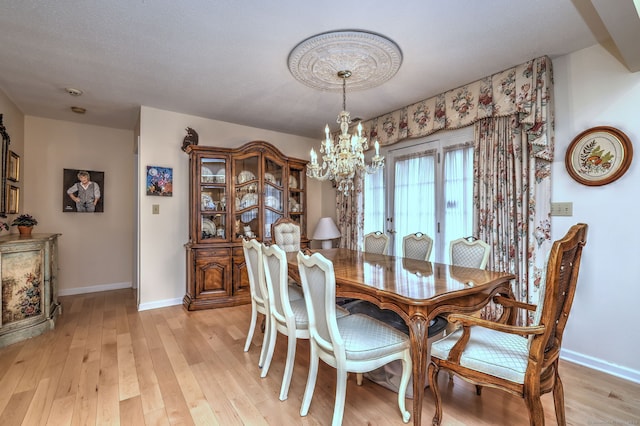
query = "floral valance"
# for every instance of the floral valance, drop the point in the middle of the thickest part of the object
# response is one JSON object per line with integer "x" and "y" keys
{"x": 524, "y": 90}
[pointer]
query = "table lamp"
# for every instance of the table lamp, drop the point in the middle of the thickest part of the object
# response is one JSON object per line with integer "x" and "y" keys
{"x": 326, "y": 230}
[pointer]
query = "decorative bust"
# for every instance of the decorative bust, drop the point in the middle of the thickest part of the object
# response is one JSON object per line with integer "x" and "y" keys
{"x": 190, "y": 139}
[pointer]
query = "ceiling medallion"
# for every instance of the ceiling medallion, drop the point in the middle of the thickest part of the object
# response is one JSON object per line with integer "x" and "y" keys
{"x": 373, "y": 59}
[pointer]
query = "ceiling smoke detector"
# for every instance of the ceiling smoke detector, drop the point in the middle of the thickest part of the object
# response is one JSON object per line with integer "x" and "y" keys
{"x": 78, "y": 110}
{"x": 73, "y": 92}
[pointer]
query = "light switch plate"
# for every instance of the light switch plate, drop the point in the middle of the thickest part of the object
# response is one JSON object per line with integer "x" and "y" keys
{"x": 562, "y": 209}
{"x": 155, "y": 209}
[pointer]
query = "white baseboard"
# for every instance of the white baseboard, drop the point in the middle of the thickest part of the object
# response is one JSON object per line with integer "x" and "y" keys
{"x": 600, "y": 365}
{"x": 117, "y": 286}
{"x": 92, "y": 289}
{"x": 159, "y": 304}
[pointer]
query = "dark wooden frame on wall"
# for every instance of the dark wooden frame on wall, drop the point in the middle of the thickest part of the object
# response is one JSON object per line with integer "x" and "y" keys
{"x": 4, "y": 151}
{"x": 13, "y": 199}
{"x": 13, "y": 167}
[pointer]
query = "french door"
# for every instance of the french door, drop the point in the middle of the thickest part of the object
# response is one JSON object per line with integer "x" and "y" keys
{"x": 427, "y": 187}
{"x": 411, "y": 201}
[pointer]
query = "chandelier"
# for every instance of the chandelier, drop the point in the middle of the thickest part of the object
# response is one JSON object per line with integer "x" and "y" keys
{"x": 372, "y": 59}
{"x": 344, "y": 157}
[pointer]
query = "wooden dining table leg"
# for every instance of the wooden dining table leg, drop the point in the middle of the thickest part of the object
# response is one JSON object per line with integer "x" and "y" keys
{"x": 418, "y": 334}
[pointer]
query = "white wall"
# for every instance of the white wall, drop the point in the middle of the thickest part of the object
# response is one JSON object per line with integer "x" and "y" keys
{"x": 95, "y": 250}
{"x": 594, "y": 89}
{"x": 162, "y": 237}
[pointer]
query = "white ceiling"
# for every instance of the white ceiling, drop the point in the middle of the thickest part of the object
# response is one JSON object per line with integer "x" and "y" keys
{"x": 227, "y": 59}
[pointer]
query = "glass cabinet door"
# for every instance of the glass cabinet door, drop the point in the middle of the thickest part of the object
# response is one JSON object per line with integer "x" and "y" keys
{"x": 297, "y": 199}
{"x": 274, "y": 174}
{"x": 246, "y": 170}
{"x": 213, "y": 199}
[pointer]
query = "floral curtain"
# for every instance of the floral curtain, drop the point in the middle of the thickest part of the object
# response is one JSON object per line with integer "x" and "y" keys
{"x": 523, "y": 139}
{"x": 350, "y": 209}
{"x": 523, "y": 90}
{"x": 506, "y": 211}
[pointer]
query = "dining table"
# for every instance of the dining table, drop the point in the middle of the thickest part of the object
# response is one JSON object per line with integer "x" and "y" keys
{"x": 417, "y": 290}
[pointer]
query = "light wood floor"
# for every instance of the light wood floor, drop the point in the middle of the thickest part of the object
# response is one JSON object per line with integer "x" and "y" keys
{"x": 106, "y": 363}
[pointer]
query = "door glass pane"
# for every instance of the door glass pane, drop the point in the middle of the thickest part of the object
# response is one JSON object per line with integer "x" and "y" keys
{"x": 414, "y": 197}
{"x": 374, "y": 202}
{"x": 458, "y": 195}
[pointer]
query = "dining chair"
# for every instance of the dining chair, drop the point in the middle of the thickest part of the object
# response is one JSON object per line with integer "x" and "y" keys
{"x": 252, "y": 250}
{"x": 354, "y": 343}
{"x": 288, "y": 317}
{"x": 522, "y": 360}
{"x": 287, "y": 235}
{"x": 469, "y": 252}
{"x": 376, "y": 242}
{"x": 417, "y": 246}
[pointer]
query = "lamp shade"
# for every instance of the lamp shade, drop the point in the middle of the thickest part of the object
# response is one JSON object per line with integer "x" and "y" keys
{"x": 326, "y": 230}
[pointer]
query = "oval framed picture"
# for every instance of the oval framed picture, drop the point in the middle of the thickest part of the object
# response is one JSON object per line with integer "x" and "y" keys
{"x": 599, "y": 156}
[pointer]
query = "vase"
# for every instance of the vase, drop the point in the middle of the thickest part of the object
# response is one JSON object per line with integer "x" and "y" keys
{"x": 25, "y": 230}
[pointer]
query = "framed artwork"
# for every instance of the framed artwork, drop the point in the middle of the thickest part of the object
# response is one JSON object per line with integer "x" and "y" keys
{"x": 13, "y": 169}
{"x": 5, "y": 140}
{"x": 13, "y": 199}
{"x": 160, "y": 181}
{"x": 599, "y": 156}
{"x": 82, "y": 191}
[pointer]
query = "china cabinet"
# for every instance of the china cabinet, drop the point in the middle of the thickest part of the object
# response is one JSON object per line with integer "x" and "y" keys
{"x": 29, "y": 296}
{"x": 235, "y": 194}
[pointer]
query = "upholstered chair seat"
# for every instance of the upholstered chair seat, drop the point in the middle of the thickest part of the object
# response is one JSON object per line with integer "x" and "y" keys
{"x": 488, "y": 351}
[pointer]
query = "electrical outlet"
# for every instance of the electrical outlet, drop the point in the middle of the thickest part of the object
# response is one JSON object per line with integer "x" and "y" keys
{"x": 562, "y": 209}
{"x": 155, "y": 209}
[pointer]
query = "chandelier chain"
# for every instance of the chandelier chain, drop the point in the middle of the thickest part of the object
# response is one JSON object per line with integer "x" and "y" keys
{"x": 344, "y": 92}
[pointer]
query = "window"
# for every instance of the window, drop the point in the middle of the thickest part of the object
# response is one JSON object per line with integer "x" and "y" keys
{"x": 427, "y": 187}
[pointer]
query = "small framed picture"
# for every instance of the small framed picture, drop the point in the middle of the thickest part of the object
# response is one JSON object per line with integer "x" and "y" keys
{"x": 160, "y": 181}
{"x": 13, "y": 199}
{"x": 599, "y": 156}
{"x": 13, "y": 169}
